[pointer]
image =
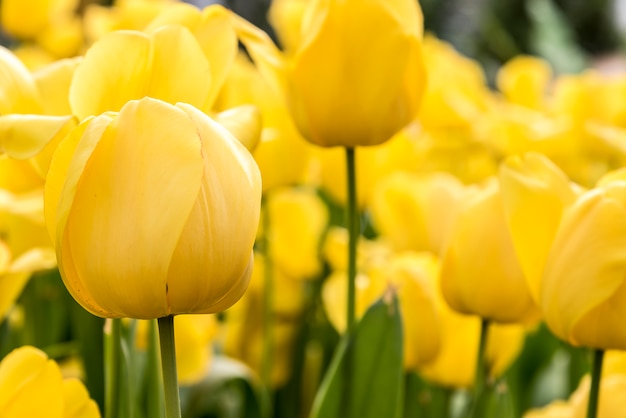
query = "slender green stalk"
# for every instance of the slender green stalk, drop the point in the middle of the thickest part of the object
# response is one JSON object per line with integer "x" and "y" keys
{"x": 268, "y": 311}
{"x": 594, "y": 390}
{"x": 168, "y": 364}
{"x": 154, "y": 402}
{"x": 353, "y": 231}
{"x": 113, "y": 355}
{"x": 480, "y": 378}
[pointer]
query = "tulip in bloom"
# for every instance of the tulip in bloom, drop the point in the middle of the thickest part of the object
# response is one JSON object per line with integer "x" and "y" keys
{"x": 153, "y": 212}
{"x": 480, "y": 272}
{"x": 31, "y": 385}
{"x": 356, "y": 76}
{"x": 583, "y": 295}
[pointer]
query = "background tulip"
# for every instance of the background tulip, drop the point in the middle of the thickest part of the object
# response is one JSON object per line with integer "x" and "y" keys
{"x": 175, "y": 236}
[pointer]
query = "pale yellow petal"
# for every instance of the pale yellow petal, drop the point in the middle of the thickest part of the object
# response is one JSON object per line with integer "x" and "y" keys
{"x": 244, "y": 123}
{"x": 23, "y": 136}
{"x": 18, "y": 92}
{"x": 53, "y": 83}
{"x": 115, "y": 69}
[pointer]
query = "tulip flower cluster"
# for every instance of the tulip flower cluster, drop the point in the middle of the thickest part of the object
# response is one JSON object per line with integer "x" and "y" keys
{"x": 152, "y": 168}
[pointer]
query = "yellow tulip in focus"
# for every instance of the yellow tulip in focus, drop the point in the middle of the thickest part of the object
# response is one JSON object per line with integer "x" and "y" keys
{"x": 535, "y": 192}
{"x": 31, "y": 385}
{"x": 416, "y": 212}
{"x": 337, "y": 90}
{"x": 480, "y": 273}
{"x": 583, "y": 292}
{"x": 153, "y": 212}
{"x": 297, "y": 219}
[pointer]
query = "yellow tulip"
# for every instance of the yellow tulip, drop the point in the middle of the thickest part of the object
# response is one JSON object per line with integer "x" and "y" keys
{"x": 28, "y": 19}
{"x": 244, "y": 123}
{"x": 335, "y": 250}
{"x": 611, "y": 403}
{"x": 524, "y": 80}
{"x": 480, "y": 273}
{"x": 297, "y": 219}
{"x": 337, "y": 93}
{"x": 416, "y": 212}
{"x": 31, "y": 385}
{"x": 153, "y": 212}
{"x": 535, "y": 192}
{"x": 556, "y": 409}
{"x": 583, "y": 293}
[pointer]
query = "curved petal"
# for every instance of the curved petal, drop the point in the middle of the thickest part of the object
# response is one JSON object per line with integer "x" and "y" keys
{"x": 586, "y": 265}
{"x": 76, "y": 401}
{"x": 221, "y": 228}
{"x": 115, "y": 69}
{"x": 53, "y": 83}
{"x": 179, "y": 71}
{"x": 130, "y": 206}
{"x": 23, "y": 136}
{"x": 535, "y": 192}
{"x": 244, "y": 123}
{"x": 27, "y": 374}
{"x": 18, "y": 92}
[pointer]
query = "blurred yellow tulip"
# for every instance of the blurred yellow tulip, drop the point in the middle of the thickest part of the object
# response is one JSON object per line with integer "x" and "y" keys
{"x": 31, "y": 385}
{"x": 480, "y": 273}
{"x": 583, "y": 295}
{"x": 297, "y": 220}
{"x": 175, "y": 236}
{"x": 416, "y": 212}
{"x": 524, "y": 80}
{"x": 535, "y": 192}
{"x": 244, "y": 334}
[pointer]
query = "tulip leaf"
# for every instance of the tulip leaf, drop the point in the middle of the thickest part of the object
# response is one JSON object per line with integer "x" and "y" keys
{"x": 365, "y": 378}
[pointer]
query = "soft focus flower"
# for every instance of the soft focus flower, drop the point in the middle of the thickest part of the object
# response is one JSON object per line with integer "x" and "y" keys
{"x": 480, "y": 273}
{"x": 153, "y": 212}
{"x": 244, "y": 331}
{"x": 535, "y": 192}
{"x": 413, "y": 276}
{"x": 31, "y": 385}
{"x": 297, "y": 219}
{"x": 414, "y": 212}
{"x": 337, "y": 94}
{"x": 524, "y": 81}
{"x": 583, "y": 290}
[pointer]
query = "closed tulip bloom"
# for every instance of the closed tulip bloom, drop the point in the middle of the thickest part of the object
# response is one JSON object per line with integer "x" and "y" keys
{"x": 356, "y": 76}
{"x": 31, "y": 385}
{"x": 583, "y": 295}
{"x": 535, "y": 193}
{"x": 480, "y": 273}
{"x": 153, "y": 212}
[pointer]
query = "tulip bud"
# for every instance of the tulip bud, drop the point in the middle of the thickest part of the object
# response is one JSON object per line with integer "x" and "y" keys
{"x": 153, "y": 212}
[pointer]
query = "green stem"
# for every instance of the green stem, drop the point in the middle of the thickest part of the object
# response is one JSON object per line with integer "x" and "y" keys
{"x": 113, "y": 355}
{"x": 594, "y": 390}
{"x": 168, "y": 364}
{"x": 353, "y": 231}
{"x": 153, "y": 400}
{"x": 480, "y": 377}
{"x": 268, "y": 304}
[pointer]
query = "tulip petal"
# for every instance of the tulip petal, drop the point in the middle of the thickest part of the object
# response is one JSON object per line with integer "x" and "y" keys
{"x": 18, "y": 92}
{"x": 53, "y": 83}
{"x": 585, "y": 269}
{"x": 140, "y": 182}
{"x": 76, "y": 401}
{"x": 26, "y": 374}
{"x": 231, "y": 195}
{"x": 115, "y": 70}
{"x": 179, "y": 71}
{"x": 218, "y": 38}
{"x": 23, "y": 136}
{"x": 535, "y": 192}
{"x": 244, "y": 123}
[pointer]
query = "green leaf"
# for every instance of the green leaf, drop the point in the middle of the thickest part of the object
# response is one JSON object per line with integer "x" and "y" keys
{"x": 365, "y": 379}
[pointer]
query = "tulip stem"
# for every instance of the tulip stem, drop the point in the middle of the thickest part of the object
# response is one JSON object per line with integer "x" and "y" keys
{"x": 353, "y": 231}
{"x": 268, "y": 304}
{"x": 481, "y": 374}
{"x": 112, "y": 375}
{"x": 594, "y": 390}
{"x": 168, "y": 364}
